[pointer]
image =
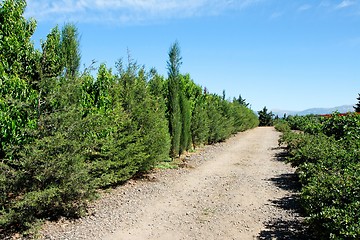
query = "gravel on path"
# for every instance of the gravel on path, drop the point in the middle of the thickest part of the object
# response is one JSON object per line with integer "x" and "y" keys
{"x": 239, "y": 189}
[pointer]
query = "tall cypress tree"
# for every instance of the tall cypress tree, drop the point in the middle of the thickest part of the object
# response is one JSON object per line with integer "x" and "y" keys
{"x": 185, "y": 139}
{"x": 174, "y": 111}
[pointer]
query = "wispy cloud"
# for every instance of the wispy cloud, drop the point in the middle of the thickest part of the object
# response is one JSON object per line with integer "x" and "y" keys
{"x": 345, "y": 4}
{"x": 276, "y": 15}
{"x": 128, "y": 11}
{"x": 304, "y": 7}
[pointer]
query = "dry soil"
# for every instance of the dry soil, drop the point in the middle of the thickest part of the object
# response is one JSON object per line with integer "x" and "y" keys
{"x": 240, "y": 189}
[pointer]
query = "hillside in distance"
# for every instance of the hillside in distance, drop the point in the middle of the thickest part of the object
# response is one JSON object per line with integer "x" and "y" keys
{"x": 341, "y": 109}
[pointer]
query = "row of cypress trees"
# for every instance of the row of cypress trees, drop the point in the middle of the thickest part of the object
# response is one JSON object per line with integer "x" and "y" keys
{"x": 66, "y": 133}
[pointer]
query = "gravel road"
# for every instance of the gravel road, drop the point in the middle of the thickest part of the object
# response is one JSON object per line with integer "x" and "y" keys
{"x": 239, "y": 189}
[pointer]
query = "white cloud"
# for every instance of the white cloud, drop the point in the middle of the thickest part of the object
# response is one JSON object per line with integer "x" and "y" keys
{"x": 124, "y": 11}
{"x": 344, "y": 4}
{"x": 304, "y": 7}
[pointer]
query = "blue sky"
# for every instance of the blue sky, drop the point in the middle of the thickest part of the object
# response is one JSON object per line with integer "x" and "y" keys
{"x": 283, "y": 54}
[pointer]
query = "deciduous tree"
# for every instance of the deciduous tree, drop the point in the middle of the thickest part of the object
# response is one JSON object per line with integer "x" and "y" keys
{"x": 17, "y": 53}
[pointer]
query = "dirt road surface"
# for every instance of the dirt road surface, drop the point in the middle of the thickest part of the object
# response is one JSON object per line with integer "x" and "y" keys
{"x": 235, "y": 190}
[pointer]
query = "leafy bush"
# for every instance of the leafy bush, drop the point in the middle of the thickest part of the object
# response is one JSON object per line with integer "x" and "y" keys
{"x": 282, "y": 126}
{"x": 346, "y": 127}
{"x": 332, "y": 200}
{"x": 329, "y": 170}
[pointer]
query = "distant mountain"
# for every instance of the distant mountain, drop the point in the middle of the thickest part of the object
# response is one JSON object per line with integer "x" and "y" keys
{"x": 341, "y": 109}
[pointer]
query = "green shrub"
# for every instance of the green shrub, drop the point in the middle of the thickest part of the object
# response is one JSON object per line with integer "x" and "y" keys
{"x": 282, "y": 126}
{"x": 329, "y": 170}
{"x": 331, "y": 198}
{"x": 346, "y": 127}
{"x": 50, "y": 179}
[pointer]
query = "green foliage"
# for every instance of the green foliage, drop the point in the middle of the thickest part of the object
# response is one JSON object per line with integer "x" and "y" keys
{"x": 220, "y": 126}
{"x": 265, "y": 117}
{"x": 48, "y": 176}
{"x": 70, "y": 46}
{"x": 51, "y": 180}
{"x": 243, "y": 117}
{"x": 191, "y": 90}
{"x": 241, "y": 101}
{"x": 282, "y": 126}
{"x": 114, "y": 150}
{"x": 343, "y": 126}
{"x": 63, "y": 135}
{"x": 17, "y": 53}
{"x": 147, "y": 114}
{"x": 333, "y": 198}
{"x": 329, "y": 170}
{"x": 157, "y": 86}
{"x": 309, "y": 123}
{"x": 174, "y": 110}
{"x": 52, "y": 62}
{"x": 185, "y": 138}
{"x": 18, "y": 111}
{"x": 357, "y": 106}
{"x": 199, "y": 123}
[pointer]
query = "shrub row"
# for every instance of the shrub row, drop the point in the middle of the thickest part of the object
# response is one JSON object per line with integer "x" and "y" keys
{"x": 65, "y": 134}
{"x": 329, "y": 169}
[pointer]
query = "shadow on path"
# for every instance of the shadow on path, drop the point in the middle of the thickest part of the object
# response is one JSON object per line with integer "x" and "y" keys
{"x": 282, "y": 227}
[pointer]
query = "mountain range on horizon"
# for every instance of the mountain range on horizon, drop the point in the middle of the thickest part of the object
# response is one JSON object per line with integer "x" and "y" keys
{"x": 341, "y": 109}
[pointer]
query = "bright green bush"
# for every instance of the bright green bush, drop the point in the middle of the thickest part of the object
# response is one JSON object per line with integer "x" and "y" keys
{"x": 308, "y": 123}
{"x": 282, "y": 126}
{"x": 329, "y": 170}
{"x": 345, "y": 127}
{"x": 331, "y": 198}
{"x": 18, "y": 112}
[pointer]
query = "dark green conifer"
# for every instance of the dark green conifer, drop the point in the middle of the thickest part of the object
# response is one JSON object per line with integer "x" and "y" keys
{"x": 265, "y": 117}
{"x": 174, "y": 111}
{"x": 185, "y": 139}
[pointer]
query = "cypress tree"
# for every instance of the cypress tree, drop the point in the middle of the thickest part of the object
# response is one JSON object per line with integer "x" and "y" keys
{"x": 174, "y": 111}
{"x": 186, "y": 123}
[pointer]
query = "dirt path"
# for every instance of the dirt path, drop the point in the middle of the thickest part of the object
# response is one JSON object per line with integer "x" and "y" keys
{"x": 237, "y": 190}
